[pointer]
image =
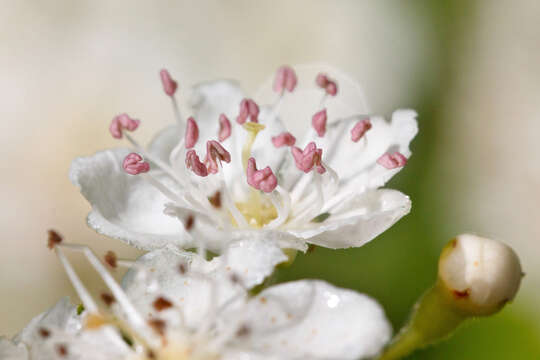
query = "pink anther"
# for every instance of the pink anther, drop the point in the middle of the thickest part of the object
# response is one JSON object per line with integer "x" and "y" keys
{"x": 215, "y": 152}
{"x": 224, "y": 128}
{"x": 285, "y": 79}
{"x": 327, "y": 84}
{"x": 122, "y": 122}
{"x": 392, "y": 161}
{"x": 133, "y": 164}
{"x": 263, "y": 180}
{"x": 192, "y": 133}
{"x": 309, "y": 158}
{"x": 169, "y": 85}
{"x": 248, "y": 108}
{"x": 319, "y": 122}
{"x": 283, "y": 139}
{"x": 193, "y": 163}
{"x": 360, "y": 129}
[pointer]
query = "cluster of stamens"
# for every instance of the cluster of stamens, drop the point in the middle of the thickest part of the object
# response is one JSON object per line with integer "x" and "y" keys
{"x": 265, "y": 180}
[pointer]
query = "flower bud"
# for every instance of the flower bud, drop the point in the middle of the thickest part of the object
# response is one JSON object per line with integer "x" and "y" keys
{"x": 481, "y": 275}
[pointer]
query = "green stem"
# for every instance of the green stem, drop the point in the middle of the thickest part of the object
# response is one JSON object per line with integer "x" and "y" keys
{"x": 433, "y": 319}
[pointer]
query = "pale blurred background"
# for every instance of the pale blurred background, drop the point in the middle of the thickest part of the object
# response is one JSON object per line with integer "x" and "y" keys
{"x": 470, "y": 68}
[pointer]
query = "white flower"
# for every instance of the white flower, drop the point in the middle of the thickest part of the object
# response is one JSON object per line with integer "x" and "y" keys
{"x": 176, "y": 305}
{"x": 241, "y": 176}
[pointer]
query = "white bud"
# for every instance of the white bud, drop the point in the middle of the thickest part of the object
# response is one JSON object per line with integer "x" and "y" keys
{"x": 479, "y": 275}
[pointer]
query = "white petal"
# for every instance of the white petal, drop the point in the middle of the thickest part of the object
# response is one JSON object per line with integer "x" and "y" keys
{"x": 367, "y": 216}
{"x": 165, "y": 141}
{"x": 62, "y": 316}
{"x": 11, "y": 351}
{"x": 315, "y": 320}
{"x": 250, "y": 261}
{"x": 356, "y": 162}
{"x": 303, "y": 102}
{"x": 124, "y": 206}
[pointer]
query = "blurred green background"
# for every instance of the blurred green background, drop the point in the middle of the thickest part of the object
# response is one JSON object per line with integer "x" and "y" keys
{"x": 471, "y": 69}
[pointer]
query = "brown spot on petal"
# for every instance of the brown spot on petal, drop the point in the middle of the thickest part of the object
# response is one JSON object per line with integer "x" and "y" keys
{"x": 263, "y": 300}
{"x": 54, "y": 239}
{"x": 215, "y": 200}
{"x": 243, "y": 330}
{"x": 158, "y": 325}
{"x": 461, "y": 294}
{"x": 44, "y": 333}
{"x": 190, "y": 221}
{"x": 161, "y": 304}
{"x": 454, "y": 243}
{"x": 111, "y": 259}
{"x": 61, "y": 349}
{"x": 182, "y": 268}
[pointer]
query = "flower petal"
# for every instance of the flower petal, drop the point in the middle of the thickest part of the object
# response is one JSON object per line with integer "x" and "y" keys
{"x": 363, "y": 219}
{"x": 311, "y": 319}
{"x": 165, "y": 141}
{"x": 11, "y": 351}
{"x": 356, "y": 162}
{"x": 250, "y": 261}
{"x": 124, "y": 206}
{"x": 62, "y": 316}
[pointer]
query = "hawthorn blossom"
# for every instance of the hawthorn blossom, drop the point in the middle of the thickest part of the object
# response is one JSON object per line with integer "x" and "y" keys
{"x": 177, "y": 305}
{"x": 233, "y": 171}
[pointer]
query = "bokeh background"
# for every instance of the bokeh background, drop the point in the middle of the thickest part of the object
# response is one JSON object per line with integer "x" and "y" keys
{"x": 470, "y": 68}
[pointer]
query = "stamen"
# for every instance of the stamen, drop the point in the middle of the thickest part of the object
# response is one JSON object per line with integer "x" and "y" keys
{"x": 128, "y": 309}
{"x": 108, "y": 299}
{"x": 215, "y": 152}
{"x": 81, "y": 290}
{"x": 53, "y": 239}
{"x": 169, "y": 85}
{"x": 193, "y": 163}
{"x": 133, "y": 164}
{"x": 392, "y": 161}
{"x": 248, "y": 108}
{"x": 111, "y": 259}
{"x": 283, "y": 139}
{"x": 285, "y": 79}
{"x": 360, "y": 129}
{"x": 192, "y": 133}
{"x": 308, "y": 159}
{"x": 319, "y": 122}
{"x": 224, "y": 128}
{"x": 122, "y": 122}
{"x": 327, "y": 84}
{"x": 263, "y": 180}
